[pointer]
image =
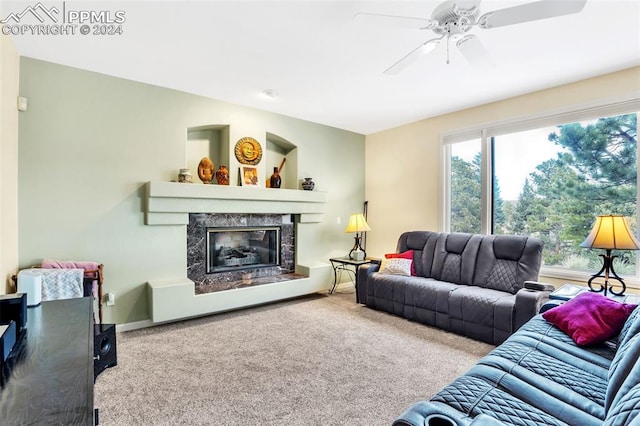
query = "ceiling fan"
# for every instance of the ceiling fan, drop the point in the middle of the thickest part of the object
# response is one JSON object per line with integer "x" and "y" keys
{"x": 453, "y": 19}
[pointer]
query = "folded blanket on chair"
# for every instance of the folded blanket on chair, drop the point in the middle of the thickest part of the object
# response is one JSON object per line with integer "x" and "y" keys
{"x": 89, "y": 269}
{"x": 69, "y": 264}
{"x": 61, "y": 283}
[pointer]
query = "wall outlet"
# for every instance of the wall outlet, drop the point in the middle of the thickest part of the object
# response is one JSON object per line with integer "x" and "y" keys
{"x": 338, "y": 220}
{"x": 111, "y": 299}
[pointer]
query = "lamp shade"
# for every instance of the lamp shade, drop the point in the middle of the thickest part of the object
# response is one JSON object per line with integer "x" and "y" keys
{"x": 611, "y": 232}
{"x": 357, "y": 223}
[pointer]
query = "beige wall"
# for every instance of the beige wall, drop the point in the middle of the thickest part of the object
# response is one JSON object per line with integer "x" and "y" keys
{"x": 402, "y": 164}
{"x": 88, "y": 144}
{"x": 9, "y": 81}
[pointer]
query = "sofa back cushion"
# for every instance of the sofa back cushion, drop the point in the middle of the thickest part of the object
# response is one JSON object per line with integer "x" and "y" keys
{"x": 423, "y": 244}
{"x": 622, "y": 373}
{"x": 627, "y": 353}
{"x": 630, "y": 328}
{"x": 626, "y": 409}
{"x": 505, "y": 262}
{"x": 454, "y": 259}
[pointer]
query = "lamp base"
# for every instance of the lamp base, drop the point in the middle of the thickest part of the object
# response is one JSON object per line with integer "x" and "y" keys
{"x": 607, "y": 268}
{"x": 357, "y": 250}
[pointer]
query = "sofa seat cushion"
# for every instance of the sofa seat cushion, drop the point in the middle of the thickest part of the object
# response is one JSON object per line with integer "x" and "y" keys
{"x": 559, "y": 374}
{"x": 387, "y": 292}
{"x": 478, "y": 312}
{"x": 427, "y": 301}
{"x": 538, "y": 329}
{"x": 477, "y": 393}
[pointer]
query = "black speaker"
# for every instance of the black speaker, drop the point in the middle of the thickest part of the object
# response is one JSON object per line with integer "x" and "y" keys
{"x": 104, "y": 348}
{"x": 7, "y": 340}
{"x": 13, "y": 307}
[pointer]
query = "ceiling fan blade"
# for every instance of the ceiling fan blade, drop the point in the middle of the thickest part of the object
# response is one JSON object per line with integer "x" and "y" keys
{"x": 413, "y": 56}
{"x": 530, "y": 12}
{"x": 409, "y": 22}
{"x": 474, "y": 52}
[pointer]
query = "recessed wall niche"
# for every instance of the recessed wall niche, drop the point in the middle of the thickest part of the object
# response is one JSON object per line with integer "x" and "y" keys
{"x": 278, "y": 148}
{"x": 207, "y": 141}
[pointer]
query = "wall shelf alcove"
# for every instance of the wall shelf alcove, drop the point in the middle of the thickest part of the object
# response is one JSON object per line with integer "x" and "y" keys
{"x": 278, "y": 148}
{"x": 207, "y": 141}
{"x": 215, "y": 141}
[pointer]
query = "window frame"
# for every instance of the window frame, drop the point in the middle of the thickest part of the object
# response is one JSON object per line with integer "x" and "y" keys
{"x": 485, "y": 132}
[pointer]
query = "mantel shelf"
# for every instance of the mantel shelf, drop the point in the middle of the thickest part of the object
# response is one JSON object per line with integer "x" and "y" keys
{"x": 169, "y": 203}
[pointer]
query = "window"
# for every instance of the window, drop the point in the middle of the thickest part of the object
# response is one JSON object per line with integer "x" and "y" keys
{"x": 549, "y": 180}
{"x": 465, "y": 188}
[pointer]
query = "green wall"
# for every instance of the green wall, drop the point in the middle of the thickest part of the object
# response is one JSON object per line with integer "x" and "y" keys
{"x": 89, "y": 142}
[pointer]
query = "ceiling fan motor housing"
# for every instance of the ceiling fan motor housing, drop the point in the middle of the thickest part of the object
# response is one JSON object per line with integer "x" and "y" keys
{"x": 456, "y": 17}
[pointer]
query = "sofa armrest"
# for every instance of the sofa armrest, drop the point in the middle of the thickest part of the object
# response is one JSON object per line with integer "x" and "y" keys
{"x": 529, "y": 300}
{"x": 363, "y": 274}
{"x": 535, "y": 285}
{"x": 425, "y": 413}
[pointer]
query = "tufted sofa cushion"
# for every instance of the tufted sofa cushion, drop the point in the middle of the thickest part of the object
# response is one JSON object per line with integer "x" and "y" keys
{"x": 630, "y": 327}
{"x": 623, "y": 364}
{"x": 504, "y": 263}
{"x": 455, "y": 256}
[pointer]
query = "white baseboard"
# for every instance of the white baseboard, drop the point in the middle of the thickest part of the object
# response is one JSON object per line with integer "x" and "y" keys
{"x": 133, "y": 325}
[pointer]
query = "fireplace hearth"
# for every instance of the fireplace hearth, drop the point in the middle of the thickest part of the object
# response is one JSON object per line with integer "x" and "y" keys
{"x": 226, "y": 251}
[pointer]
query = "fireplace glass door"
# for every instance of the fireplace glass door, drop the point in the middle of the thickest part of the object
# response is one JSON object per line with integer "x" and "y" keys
{"x": 237, "y": 248}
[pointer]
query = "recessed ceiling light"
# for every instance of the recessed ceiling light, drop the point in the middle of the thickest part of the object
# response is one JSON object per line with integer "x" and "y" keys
{"x": 270, "y": 93}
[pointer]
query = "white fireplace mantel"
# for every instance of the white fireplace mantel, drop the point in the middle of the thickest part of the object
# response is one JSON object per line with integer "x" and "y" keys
{"x": 169, "y": 203}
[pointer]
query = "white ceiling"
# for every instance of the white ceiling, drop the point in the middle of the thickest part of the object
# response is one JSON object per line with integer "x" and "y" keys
{"x": 327, "y": 68}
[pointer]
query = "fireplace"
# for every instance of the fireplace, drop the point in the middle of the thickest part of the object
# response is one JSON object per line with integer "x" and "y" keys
{"x": 234, "y": 250}
{"x": 245, "y": 247}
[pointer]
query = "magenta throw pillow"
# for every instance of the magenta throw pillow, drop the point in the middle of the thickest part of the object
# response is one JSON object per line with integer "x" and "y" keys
{"x": 590, "y": 318}
{"x": 404, "y": 255}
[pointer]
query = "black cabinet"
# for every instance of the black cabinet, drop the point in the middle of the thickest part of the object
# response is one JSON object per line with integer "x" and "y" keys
{"x": 48, "y": 378}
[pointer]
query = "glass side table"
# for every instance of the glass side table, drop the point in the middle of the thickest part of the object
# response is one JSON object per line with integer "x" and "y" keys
{"x": 340, "y": 264}
{"x": 568, "y": 291}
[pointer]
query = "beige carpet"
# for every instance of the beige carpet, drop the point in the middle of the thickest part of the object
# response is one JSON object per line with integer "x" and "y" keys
{"x": 318, "y": 360}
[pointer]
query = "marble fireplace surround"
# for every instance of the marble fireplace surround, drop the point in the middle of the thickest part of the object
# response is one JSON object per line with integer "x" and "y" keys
{"x": 170, "y": 203}
{"x": 226, "y": 280}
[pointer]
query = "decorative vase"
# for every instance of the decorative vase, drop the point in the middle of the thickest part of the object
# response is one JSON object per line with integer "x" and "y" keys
{"x": 308, "y": 184}
{"x": 222, "y": 176}
{"x": 206, "y": 170}
{"x": 185, "y": 176}
{"x": 275, "y": 179}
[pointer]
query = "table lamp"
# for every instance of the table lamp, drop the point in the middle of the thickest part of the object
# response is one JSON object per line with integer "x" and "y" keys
{"x": 610, "y": 232}
{"x": 357, "y": 224}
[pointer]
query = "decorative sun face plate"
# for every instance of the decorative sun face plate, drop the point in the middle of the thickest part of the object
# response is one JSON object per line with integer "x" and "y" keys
{"x": 248, "y": 151}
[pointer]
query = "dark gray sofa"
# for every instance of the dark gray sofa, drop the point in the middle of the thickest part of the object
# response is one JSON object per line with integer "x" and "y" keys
{"x": 539, "y": 376}
{"x": 469, "y": 284}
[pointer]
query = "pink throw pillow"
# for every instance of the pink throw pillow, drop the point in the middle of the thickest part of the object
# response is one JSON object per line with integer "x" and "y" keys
{"x": 404, "y": 255}
{"x": 590, "y": 318}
